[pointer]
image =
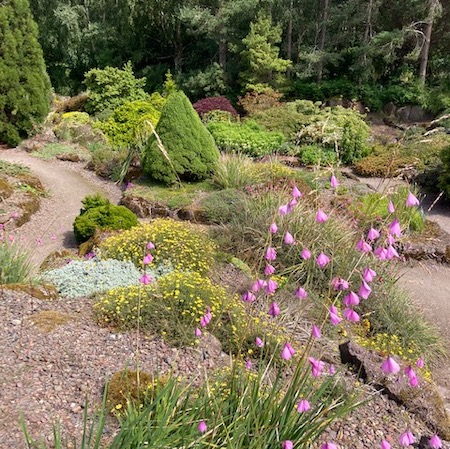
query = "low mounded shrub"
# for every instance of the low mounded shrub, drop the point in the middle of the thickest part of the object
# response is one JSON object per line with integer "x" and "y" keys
{"x": 248, "y": 138}
{"x": 214, "y": 104}
{"x": 316, "y": 155}
{"x": 177, "y": 244}
{"x": 219, "y": 207}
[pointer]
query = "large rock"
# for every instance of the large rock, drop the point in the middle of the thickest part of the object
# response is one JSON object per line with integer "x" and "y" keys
{"x": 424, "y": 401}
{"x": 412, "y": 114}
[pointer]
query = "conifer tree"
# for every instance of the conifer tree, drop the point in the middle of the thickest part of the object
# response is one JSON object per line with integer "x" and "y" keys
{"x": 24, "y": 83}
{"x": 189, "y": 152}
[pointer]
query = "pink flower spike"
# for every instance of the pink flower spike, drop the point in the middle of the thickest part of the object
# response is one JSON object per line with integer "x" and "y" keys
{"x": 332, "y": 370}
{"x": 350, "y": 315}
{"x": 328, "y": 446}
{"x": 390, "y": 239}
{"x": 258, "y": 285}
{"x": 306, "y": 254}
{"x": 248, "y": 297}
{"x": 334, "y": 182}
{"x": 287, "y": 444}
{"x": 321, "y": 216}
{"x": 435, "y": 442}
{"x": 385, "y": 445}
{"x": 292, "y": 204}
{"x": 322, "y": 260}
{"x": 202, "y": 427}
{"x": 365, "y": 290}
{"x": 339, "y": 284}
{"x": 248, "y": 364}
{"x": 288, "y": 239}
{"x": 411, "y": 201}
{"x": 269, "y": 270}
{"x": 390, "y": 366}
{"x": 381, "y": 253}
{"x": 286, "y": 353}
{"x": 372, "y": 235}
{"x": 420, "y": 363}
{"x": 363, "y": 246}
{"x": 303, "y": 406}
{"x": 271, "y": 286}
{"x": 273, "y": 228}
{"x": 150, "y": 245}
{"x": 271, "y": 253}
{"x": 369, "y": 274}
{"x": 274, "y": 309}
{"x": 301, "y": 293}
{"x": 391, "y": 253}
{"x": 351, "y": 299}
{"x": 148, "y": 259}
{"x": 290, "y": 348}
{"x": 394, "y": 228}
{"x": 296, "y": 193}
{"x": 334, "y": 316}
{"x": 284, "y": 209}
{"x": 198, "y": 332}
{"x": 316, "y": 333}
{"x": 413, "y": 381}
{"x": 391, "y": 208}
{"x": 259, "y": 342}
{"x": 316, "y": 366}
{"x": 145, "y": 279}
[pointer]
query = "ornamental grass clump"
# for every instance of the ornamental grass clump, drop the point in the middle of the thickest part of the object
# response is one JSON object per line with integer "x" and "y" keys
{"x": 15, "y": 265}
{"x": 178, "y": 244}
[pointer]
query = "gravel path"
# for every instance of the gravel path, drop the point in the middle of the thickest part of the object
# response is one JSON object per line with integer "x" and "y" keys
{"x": 67, "y": 183}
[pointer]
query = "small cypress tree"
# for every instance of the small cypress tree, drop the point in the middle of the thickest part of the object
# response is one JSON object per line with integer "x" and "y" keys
{"x": 24, "y": 83}
{"x": 189, "y": 145}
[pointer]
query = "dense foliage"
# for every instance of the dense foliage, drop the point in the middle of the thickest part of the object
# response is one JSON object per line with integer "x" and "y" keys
{"x": 214, "y": 104}
{"x": 188, "y": 151}
{"x": 24, "y": 84}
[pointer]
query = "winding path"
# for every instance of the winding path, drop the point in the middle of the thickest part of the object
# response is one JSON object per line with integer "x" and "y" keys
{"x": 50, "y": 229}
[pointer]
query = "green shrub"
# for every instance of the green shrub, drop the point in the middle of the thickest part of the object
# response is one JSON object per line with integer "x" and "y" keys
{"x": 78, "y": 118}
{"x": 91, "y": 201}
{"x": 316, "y": 155}
{"x": 102, "y": 217}
{"x": 106, "y": 161}
{"x": 110, "y": 87}
{"x": 11, "y": 169}
{"x": 189, "y": 150}
{"x": 15, "y": 266}
{"x": 248, "y": 138}
{"x": 444, "y": 175}
{"x": 128, "y": 122}
{"x": 219, "y": 207}
{"x": 178, "y": 244}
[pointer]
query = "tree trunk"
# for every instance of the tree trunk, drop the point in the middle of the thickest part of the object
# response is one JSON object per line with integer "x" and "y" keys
{"x": 223, "y": 49}
{"x": 323, "y": 32}
{"x": 425, "y": 51}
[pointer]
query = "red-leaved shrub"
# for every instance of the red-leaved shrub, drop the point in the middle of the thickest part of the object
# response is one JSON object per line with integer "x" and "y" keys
{"x": 213, "y": 104}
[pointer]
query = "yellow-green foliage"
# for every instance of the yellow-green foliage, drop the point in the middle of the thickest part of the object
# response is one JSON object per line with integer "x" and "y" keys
{"x": 130, "y": 121}
{"x": 78, "y": 118}
{"x": 176, "y": 243}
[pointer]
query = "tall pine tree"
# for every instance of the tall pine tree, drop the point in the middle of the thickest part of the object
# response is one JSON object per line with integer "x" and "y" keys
{"x": 24, "y": 83}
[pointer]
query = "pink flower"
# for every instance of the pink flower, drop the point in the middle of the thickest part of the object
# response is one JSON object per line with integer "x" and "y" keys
{"x": 321, "y": 216}
{"x": 287, "y": 352}
{"x": 372, "y": 235}
{"x": 150, "y": 245}
{"x": 332, "y": 370}
{"x": 420, "y": 363}
{"x": 271, "y": 253}
{"x": 202, "y": 427}
{"x": 259, "y": 342}
{"x": 271, "y": 286}
{"x": 328, "y": 446}
{"x": 406, "y": 439}
{"x": 391, "y": 253}
{"x": 381, "y": 253}
{"x": 350, "y": 315}
{"x": 316, "y": 366}
{"x": 391, "y": 208}
{"x": 390, "y": 240}
{"x": 394, "y": 228}
{"x": 269, "y": 270}
{"x": 411, "y": 201}
{"x": 284, "y": 209}
{"x": 435, "y": 442}
{"x": 39, "y": 241}
{"x": 248, "y": 364}
{"x": 315, "y": 332}
{"x": 53, "y": 237}
{"x": 363, "y": 246}
{"x": 145, "y": 279}
{"x": 273, "y": 228}
{"x": 414, "y": 382}
{"x": 198, "y": 332}
{"x": 351, "y": 299}
{"x": 274, "y": 309}
{"x": 306, "y": 254}
{"x": 296, "y": 193}
{"x": 334, "y": 182}
{"x": 385, "y": 445}
{"x": 322, "y": 260}
{"x": 390, "y": 366}
{"x": 288, "y": 239}
{"x": 14, "y": 214}
{"x": 369, "y": 274}
{"x": 258, "y": 285}
{"x": 365, "y": 290}
{"x": 303, "y": 406}
{"x": 334, "y": 316}
{"x": 339, "y": 284}
{"x": 248, "y": 297}
{"x": 147, "y": 259}
{"x": 287, "y": 444}
{"x": 301, "y": 293}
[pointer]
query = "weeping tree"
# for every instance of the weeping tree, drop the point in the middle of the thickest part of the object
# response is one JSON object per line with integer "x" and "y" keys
{"x": 24, "y": 84}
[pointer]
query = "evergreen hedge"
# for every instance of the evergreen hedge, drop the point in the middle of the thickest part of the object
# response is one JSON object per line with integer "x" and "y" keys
{"x": 24, "y": 83}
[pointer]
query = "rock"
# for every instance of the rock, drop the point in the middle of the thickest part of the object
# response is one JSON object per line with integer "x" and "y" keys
{"x": 390, "y": 109}
{"x": 71, "y": 157}
{"x": 412, "y": 113}
{"x": 140, "y": 206}
{"x": 73, "y": 103}
{"x": 425, "y": 400}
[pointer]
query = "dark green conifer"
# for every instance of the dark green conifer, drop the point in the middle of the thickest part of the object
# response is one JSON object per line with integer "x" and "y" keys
{"x": 189, "y": 153}
{"x": 24, "y": 83}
